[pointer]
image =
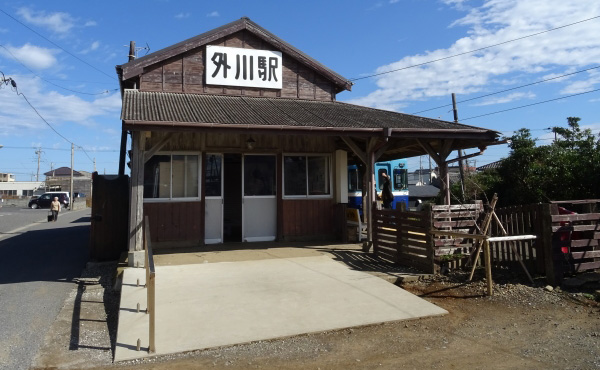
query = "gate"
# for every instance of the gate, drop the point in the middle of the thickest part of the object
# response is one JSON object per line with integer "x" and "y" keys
{"x": 110, "y": 217}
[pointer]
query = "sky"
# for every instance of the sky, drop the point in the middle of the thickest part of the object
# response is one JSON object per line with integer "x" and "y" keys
{"x": 407, "y": 56}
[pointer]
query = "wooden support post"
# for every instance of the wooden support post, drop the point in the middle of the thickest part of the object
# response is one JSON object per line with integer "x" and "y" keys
{"x": 488, "y": 267}
{"x": 546, "y": 232}
{"x": 485, "y": 227}
{"x": 136, "y": 209}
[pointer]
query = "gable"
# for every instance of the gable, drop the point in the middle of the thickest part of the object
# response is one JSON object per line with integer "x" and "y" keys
{"x": 182, "y": 67}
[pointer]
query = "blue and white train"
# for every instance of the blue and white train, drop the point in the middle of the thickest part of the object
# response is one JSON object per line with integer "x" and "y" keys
{"x": 398, "y": 172}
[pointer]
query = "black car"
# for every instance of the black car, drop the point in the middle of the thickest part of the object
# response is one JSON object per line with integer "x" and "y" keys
{"x": 44, "y": 200}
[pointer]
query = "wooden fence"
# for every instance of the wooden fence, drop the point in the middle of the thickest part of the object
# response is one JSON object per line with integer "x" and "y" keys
{"x": 564, "y": 242}
{"x": 403, "y": 237}
{"x": 519, "y": 220}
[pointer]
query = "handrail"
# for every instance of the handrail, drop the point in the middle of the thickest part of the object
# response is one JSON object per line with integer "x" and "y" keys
{"x": 150, "y": 285}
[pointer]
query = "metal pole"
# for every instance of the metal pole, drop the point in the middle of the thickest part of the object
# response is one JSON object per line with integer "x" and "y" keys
{"x": 71, "y": 182}
{"x": 460, "y": 152}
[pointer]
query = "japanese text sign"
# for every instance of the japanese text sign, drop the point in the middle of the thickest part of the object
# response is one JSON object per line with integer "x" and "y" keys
{"x": 243, "y": 67}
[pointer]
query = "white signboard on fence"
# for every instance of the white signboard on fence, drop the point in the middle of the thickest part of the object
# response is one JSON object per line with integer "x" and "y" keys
{"x": 243, "y": 67}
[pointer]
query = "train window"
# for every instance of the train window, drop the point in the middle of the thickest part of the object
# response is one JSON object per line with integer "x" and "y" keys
{"x": 354, "y": 180}
{"x": 400, "y": 179}
{"x": 380, "y": 179}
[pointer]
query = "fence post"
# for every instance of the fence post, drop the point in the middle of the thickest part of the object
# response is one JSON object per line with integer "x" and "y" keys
{"x": 428, "y": 216}
{"x": 547, "y": 247}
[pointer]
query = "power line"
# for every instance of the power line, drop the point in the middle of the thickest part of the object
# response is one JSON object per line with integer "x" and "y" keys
{"x": 52, "y": 83}
{"x": 64, "y": 150}
{"x": 512, "y": 88}
{"x": 58, "y": 46}
{"x": 529, "y": 105}
{"x": 473, "y": 51}
{"x": 13, "y": 83}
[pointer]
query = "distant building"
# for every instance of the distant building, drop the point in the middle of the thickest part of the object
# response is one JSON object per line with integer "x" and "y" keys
{"x": 19, "y": 189}
{"x": 60, "y": 180}
{"x": 7, "y": 177}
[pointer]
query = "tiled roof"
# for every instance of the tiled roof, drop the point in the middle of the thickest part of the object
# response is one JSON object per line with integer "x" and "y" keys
{"x": 173, "y": 109}
{"x": 62, "y": 171}
{"x": 490, "y": 166}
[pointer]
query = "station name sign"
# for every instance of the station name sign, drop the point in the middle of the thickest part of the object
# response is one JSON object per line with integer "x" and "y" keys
{"x": 243, "y": 67}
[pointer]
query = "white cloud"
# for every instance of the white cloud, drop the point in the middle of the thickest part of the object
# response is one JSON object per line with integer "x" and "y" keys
{"x": 93, "y": 46}
{"x": 58, "y": 22}
{"x": 32, "y": 56}
{"x": 20, "y": 119}
{"x": 507, "y": 98}
{"x": 587, "y": 84}
{"x": 182, "y": 15}
{"x": 492, "y": 23}
{"x": 213, "y": 14}
{"x": 90, "y": 24}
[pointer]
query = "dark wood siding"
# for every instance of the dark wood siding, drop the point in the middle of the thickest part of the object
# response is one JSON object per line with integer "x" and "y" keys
{"x": 175, "y": 221}
{"x": 185, "y": 73}
{"x": 308, "y": 218}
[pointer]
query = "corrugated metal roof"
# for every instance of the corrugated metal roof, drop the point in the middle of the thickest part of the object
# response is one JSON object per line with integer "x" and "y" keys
{"x": 173, "y": 108}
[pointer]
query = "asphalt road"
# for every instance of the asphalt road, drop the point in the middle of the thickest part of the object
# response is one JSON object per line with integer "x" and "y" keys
{"x": 12, "y": 218}
{"x": 38, "y": 262}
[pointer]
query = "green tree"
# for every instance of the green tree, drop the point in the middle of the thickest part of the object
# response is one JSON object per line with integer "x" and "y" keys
{"x": 568, "y": 168}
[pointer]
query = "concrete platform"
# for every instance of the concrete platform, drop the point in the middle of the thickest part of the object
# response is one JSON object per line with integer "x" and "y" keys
{"x": 218, "y": 304}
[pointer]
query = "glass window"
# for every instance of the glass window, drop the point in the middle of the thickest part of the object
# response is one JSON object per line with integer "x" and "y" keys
{"x": 185, "y": 176}
{"x": 157, "y": 177}
{"x": 171, "y": 176}
{"x": 306, "y": 175}
{"x": 212, "y": 173}
{"x": 259, "y": 175}
{"x": 380, "y": 178}
{"x": 354, "y": 180}
{"x": 318, "y": 175}
{"x": 400, "y": 179}
{"x": 294, "y": 168}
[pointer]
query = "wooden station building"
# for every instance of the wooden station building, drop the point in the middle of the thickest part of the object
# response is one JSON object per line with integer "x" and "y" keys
{"x": 236, "y": 136}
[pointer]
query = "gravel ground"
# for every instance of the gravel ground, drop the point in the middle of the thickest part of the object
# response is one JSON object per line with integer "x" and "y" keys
{"x": 521, "y": 326}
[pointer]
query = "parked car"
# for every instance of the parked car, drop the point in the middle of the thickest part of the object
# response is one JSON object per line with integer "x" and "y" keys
{"x": 44, "y": 200}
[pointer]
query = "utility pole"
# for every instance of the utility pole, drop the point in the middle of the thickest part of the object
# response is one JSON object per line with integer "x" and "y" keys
{"x": 94, "y": 164}
{"x": 39, "y": 154}
{"x": 71, "y": 182}
{"x": 460, "y": 152}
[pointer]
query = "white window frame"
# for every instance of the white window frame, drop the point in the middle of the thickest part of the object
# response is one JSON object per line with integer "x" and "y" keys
{"x": 307, "y": 196}
{"x": 170, "y": 199}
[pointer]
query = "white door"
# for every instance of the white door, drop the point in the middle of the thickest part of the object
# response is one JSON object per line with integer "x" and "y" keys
{"x": 213, "y": 188}
{"x": 260, "y": 198}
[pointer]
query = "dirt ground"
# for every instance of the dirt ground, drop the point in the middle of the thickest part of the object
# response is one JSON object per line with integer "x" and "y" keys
{"x": 522, "y": 326}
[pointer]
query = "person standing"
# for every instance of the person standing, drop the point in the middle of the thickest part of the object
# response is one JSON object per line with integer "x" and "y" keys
{"x": 55, "y": 208}
{"x": 387, "y": 197}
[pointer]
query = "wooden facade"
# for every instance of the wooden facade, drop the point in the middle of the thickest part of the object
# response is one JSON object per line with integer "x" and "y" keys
{"x": 185, "y": 74}
{"x": 182, "y": 223}
{"x": 170, "y": 109}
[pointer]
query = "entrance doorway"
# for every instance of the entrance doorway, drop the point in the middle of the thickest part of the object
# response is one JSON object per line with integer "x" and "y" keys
{"x": 232, "y": 198}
